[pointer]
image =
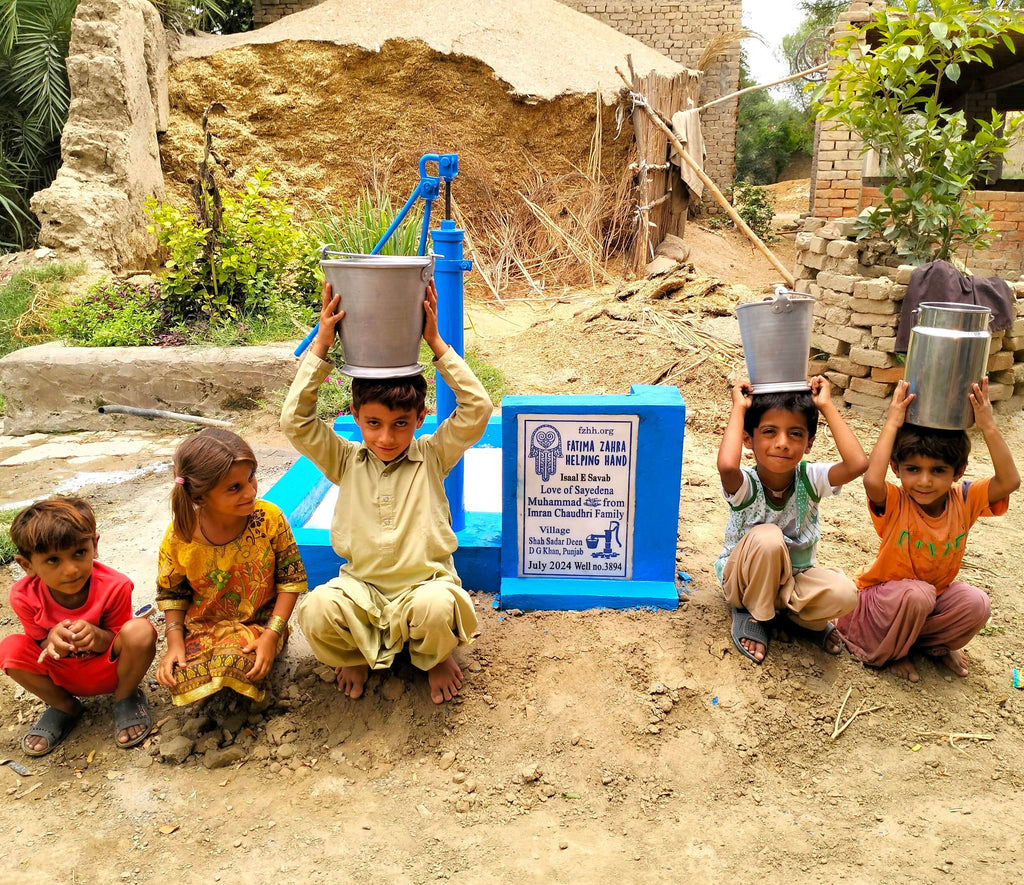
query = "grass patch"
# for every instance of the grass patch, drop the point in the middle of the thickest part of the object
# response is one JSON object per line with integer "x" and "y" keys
{"x": 21, "y": 319}
{"x": 7, "y": 548}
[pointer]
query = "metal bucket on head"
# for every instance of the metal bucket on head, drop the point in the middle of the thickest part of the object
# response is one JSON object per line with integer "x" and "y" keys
{"x": 382, "y": 296}
{"x": 776, "y": 335}
{"x": 948, "y": 352}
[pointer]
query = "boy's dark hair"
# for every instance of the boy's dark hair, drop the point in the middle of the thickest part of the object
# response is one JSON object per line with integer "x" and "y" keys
{"x": 948, "y": 446}
{"x": 398, "y": 394}
{"x": 52, "y": 524}
{"x": 798, "y": 401}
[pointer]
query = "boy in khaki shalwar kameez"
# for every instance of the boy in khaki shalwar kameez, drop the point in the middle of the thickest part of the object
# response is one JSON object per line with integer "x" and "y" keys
{"x": 391, "y": 524}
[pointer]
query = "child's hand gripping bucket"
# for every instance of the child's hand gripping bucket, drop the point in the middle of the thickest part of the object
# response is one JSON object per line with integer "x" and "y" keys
{"x": 776, "y": 334}
{"x": 947, "y": 353}
{"x": 382, "y": 296}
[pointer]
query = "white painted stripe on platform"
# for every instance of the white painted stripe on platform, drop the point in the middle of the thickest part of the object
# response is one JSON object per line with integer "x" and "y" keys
{"x": 482, "y": 488}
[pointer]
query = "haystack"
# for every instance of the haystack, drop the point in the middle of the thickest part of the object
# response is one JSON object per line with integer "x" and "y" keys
{"x": 333, "y": 98}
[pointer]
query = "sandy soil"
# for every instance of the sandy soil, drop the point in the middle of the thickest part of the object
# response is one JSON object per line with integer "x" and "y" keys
{"x": 595, "y": 746}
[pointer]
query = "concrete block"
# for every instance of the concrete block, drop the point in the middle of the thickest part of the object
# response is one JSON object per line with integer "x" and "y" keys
{"x": 864, "y": 402}
{"x": 842, "y": 249}
{"x": 817, "y": 245}
{"x": 872, "y": 388}
{"x": 870, "y": 305}
{"x": 839, "y": 282}
{"x": 1011, "y": 406}
{"x": 886, "y": 345}
{"x": 872, "y": 358}
{"x": 879, "y": 289}
{"x": 999, "y": 362}
{"x": 826, "y": 343}
{"x": 904, "y": 272}
{"x": 838, "y": 380}
{"x": 52, "y": 388}
{"x": 814, "y": 260}
{"x": 857, "y": 337}
{"x": 848, "y": 367}
{"x": 998, "y": 392}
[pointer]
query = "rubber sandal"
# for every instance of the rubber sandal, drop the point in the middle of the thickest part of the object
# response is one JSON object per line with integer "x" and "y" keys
{"x": 129, "y": 711}
{"x": 818, "y": 637}
{"x": 745, "y": 626}
{"x": 54, "y": 725}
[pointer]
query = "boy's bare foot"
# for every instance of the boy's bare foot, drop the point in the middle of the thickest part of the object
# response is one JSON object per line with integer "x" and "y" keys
{"x": 904, "y": 668}
{"x": 352, "y": 679}
{"x": 956, "y": 660}
{"x": 445, "y": 680}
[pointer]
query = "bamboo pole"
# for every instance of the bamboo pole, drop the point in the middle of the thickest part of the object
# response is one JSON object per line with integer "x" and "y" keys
{"x": 758, "y": 86}
{"x": 709, "y": 184}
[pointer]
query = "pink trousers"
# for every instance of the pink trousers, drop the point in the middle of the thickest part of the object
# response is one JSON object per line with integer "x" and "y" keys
{"x": 892, "y": 618}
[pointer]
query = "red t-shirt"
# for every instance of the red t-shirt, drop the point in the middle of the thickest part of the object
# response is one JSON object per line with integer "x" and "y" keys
{"x": 926, "y": 548}
{"x": 107, "y": 605}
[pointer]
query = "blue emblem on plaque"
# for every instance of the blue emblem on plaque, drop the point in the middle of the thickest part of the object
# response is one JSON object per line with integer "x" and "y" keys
{"x": 545, "y": 449}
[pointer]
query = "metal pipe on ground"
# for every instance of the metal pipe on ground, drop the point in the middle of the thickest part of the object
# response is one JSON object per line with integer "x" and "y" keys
{"x": 160, "y": 413}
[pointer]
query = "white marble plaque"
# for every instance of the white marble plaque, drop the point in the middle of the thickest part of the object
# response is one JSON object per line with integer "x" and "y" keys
{"x": 576, "y": 487}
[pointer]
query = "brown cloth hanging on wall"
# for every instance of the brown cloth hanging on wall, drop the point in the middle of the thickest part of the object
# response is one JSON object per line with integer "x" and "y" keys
{"x": 940, "y": 281}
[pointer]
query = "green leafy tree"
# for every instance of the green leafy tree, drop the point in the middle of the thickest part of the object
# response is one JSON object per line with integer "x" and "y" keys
{"x": 769, "y": 132}
{"x": 887, "y": 92}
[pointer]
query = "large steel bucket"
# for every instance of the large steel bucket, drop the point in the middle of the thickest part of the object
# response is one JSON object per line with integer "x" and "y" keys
{"x": 776, "y": 334}
{"x": 382, "y": 296}
{"x": 948, "y": 352}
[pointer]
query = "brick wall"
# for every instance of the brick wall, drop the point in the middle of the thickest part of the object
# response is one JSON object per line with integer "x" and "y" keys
{"x": 859, "y": 288}
{"x": 679, "y": 30}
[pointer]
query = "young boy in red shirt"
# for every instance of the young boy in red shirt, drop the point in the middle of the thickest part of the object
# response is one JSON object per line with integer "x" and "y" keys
{"x": 80, "y": 637}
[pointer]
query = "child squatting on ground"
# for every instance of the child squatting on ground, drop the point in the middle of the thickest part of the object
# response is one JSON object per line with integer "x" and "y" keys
{"x": 229, "y": 573}
{"x": 392, "y": 522}
{"x": 80, "y": 637}
{"x": 768, "y": 562}
{"x": 909, "y": 596}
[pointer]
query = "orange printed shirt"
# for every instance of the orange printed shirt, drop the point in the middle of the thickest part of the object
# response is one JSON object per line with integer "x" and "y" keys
{"x": 926, "y": 548}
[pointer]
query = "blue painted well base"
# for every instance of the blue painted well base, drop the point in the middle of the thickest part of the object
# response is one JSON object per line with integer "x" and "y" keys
{"x": 578, "y": 594}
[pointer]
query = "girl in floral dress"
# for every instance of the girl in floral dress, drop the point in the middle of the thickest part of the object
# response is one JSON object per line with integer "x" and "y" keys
{"x": 229, "y": 573}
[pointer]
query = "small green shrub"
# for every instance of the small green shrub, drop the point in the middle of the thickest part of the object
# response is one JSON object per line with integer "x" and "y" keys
{"x": 755, "y": 207}
{"x": 250, "y": 257}
{"x": 48, "y": 284}
{"x": 114, "y": 313}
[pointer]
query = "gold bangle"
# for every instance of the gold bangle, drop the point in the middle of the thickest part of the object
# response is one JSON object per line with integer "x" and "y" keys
{"x": 278, "y": 624}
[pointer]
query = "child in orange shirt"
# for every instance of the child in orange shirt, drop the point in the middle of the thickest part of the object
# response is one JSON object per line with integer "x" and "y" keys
{"x": 909, "y": 597}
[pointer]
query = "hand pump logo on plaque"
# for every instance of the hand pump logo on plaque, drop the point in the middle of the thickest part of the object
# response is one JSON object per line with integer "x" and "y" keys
{"x": 576, "y": 494}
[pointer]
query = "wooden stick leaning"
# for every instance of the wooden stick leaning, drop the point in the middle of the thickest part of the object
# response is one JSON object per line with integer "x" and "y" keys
{"x": 773, "y": 259}
{"x": 761, "y": 86}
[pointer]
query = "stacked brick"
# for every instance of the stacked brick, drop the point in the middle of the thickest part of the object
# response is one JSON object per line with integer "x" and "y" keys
{"x": 859, "y": 288}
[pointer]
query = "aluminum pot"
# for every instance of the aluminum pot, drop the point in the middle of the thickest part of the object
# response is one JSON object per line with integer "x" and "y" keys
{"x": 382, "y": 296}
{"x": 944, "y": 359}
{"x": 776, "y": 334}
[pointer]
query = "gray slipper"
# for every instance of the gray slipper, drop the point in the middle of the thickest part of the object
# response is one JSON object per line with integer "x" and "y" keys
{"x": 745, "y": 626}
{"x": 54, "y": 725}
{"x": 129, "y": 711}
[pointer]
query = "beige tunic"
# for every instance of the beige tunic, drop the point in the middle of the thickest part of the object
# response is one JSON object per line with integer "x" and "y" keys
{"x": 392, "y": 524}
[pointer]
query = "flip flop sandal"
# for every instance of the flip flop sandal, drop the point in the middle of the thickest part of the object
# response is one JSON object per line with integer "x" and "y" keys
{"x": 54, "y": 725}
{"x": 819, "y": 637}
{"x": 129, "y": 711}
{"x": 745, "y": 626}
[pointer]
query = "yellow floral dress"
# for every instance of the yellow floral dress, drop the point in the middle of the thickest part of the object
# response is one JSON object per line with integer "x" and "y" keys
{"x": 227, "y": 592}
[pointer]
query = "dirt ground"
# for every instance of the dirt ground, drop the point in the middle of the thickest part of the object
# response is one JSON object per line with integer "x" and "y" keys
{"x": 629, "y": 746}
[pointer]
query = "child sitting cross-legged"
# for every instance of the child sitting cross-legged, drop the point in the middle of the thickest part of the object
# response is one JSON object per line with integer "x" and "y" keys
{"x": 392, "y": 523}
{"x": 80, "y": 637}
{"x": 910, "y": 598}
{"x": 768, "y": 563}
